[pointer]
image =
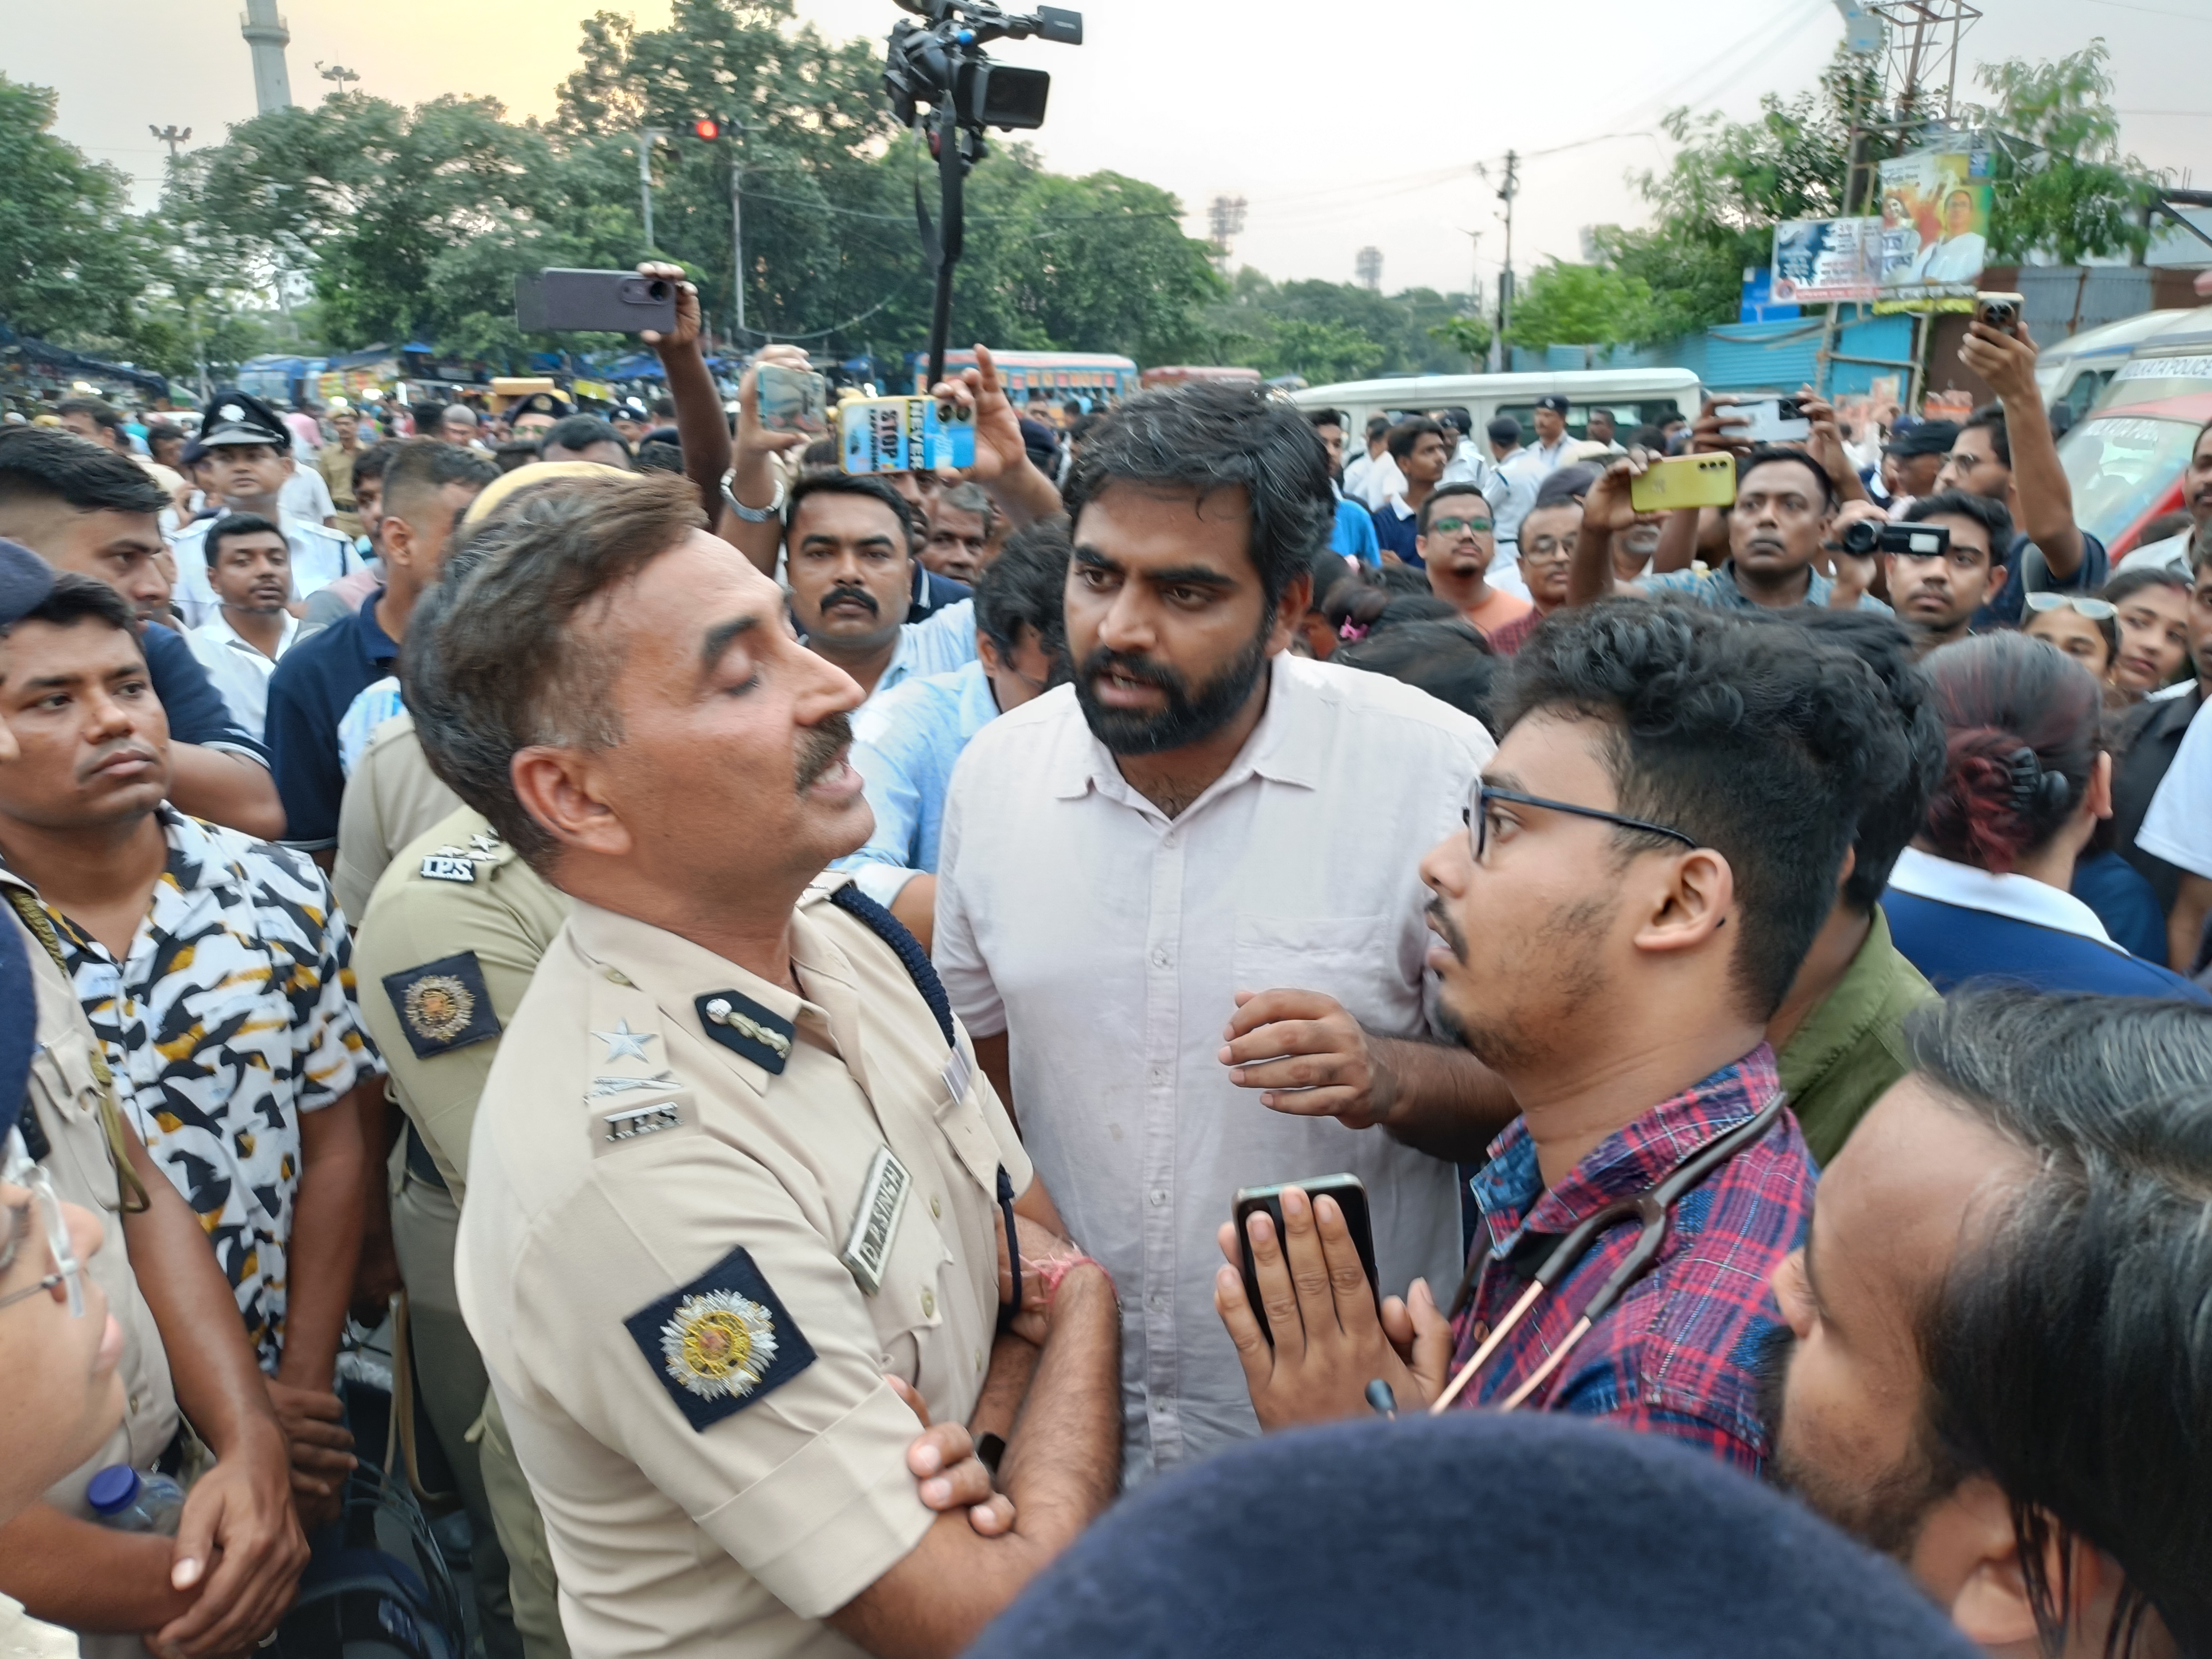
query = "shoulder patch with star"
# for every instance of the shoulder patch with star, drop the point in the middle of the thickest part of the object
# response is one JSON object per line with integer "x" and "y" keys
{"x": 721, "y": 1343}
{"x": 443, "y": 1004}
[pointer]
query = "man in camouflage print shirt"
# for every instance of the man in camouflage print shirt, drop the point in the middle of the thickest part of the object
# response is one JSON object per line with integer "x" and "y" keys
{"x": 214, "y": 970}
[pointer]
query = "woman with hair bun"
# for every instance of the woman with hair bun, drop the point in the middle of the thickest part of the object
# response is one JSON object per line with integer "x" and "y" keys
{"x": 1983, "y": 890}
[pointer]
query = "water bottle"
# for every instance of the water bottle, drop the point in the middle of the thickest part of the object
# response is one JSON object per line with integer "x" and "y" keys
{"x": 128, "y": 1501}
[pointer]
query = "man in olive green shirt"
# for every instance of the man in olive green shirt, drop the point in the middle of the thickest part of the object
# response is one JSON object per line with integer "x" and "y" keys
{"x": 1847, "y": 1050}
{"x": 1835, "y": 1037}
{"x": 451, "y": 935}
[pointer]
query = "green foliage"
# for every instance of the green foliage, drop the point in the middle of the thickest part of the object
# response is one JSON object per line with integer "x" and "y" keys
{"x": 74, "y": 259}
{"x": 1716, "y": 206}
{"x": 2062, "y": 185}
{"x": 1580, "y": 305}
{"x": 1328, "y": 331}
{"x": 1471, "y": 335}
{"x": 1098, "y": 264}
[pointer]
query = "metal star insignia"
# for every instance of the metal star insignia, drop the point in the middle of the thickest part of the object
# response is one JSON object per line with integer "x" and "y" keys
{"x": 622, "y": 1041}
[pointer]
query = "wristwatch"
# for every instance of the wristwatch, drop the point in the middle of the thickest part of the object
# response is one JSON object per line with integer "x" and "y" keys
{"x": 753, "y": 514}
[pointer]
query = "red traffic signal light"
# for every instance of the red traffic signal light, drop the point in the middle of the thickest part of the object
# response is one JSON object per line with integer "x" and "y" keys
{"x": 707, "y": 127}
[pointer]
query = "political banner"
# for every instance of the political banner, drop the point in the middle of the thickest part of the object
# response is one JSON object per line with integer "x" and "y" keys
{"x": 1826, "y": 261}
{"x": 1935, "y": 229}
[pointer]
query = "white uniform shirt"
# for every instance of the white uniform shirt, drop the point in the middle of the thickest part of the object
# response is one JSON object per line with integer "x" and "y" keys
{"x": 1108, "y": 941}
{"x": 2177, "y": 828}
{"x": 306, "y": 495}
{"x": 320, "y": 557}
{"x": 238, "y": 668}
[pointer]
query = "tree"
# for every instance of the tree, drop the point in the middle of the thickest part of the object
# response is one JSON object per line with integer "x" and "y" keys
{"x": 1332, "y": 331}
{"x": 1580, "y": 305}
{"x": 1471, "y": 335}
{"x": 1718, "y": 203}
{"x": 1095, "y": 264}
{"x": 74, "y": 259}
{"x": 2062, "y": 185}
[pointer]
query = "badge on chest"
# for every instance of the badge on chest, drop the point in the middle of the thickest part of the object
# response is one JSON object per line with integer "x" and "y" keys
{"x": 875, "y": 1223}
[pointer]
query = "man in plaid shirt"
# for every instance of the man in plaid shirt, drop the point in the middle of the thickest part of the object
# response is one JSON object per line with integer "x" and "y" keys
{"x": 1657, "y": 842}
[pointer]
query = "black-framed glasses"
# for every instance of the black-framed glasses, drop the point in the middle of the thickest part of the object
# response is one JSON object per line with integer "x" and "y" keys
{"x": 1477, "y": 817}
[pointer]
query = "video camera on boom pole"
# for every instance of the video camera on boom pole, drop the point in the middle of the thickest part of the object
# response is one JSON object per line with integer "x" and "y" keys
{"x": 940, "y": 63}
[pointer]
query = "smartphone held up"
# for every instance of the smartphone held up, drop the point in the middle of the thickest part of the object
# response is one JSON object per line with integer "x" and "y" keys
{"x": 601, "y": 302}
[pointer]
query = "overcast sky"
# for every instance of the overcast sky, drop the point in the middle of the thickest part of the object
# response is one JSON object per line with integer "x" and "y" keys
{"x": 1344, "y": 125}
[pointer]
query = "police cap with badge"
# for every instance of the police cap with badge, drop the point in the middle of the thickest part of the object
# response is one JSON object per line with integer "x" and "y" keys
{"x": 235, "y": 418}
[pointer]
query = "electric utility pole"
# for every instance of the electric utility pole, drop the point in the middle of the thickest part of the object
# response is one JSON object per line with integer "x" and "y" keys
{"x": 175, "y": 139}
{"x": 1506, "y": 192}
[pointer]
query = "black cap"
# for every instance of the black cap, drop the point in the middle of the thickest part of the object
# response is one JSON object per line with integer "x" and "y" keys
{"x": 232, "y": 416}
{"x": 543, "y": 403}
{"x": 1925, "y": 438}
{"x": 1606, "y": 1542}
{"x": 25, "y": 580}
{"x": 1552, "y": 401}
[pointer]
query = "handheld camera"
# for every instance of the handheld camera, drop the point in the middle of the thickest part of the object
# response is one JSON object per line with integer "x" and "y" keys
{"x": 940, "y": 63}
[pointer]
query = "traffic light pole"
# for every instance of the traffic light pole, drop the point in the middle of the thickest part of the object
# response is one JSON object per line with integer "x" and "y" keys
{"x": 738, "y": 236}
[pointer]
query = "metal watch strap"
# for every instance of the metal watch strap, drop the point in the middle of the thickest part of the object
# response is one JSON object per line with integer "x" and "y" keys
{"x": 753, "y": 514}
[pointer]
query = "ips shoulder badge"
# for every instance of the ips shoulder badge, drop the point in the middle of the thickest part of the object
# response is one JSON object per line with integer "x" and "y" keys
{"x": 444, "y": 1004}
{"x": 720, "y": 1343}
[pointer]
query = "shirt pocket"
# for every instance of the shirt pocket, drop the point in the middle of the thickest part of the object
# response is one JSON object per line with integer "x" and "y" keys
{"x": 1352, "y": 959}
{"x": 62, "y": 1079}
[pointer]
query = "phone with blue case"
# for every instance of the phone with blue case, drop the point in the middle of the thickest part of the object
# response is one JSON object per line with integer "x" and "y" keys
{"x": 904, "y": 434}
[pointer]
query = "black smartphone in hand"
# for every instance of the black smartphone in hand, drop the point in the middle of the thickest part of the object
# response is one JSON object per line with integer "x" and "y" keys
{"x": 1350, "y": 1194}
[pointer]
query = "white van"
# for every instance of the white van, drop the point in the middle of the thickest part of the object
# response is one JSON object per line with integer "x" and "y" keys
{"x": 1637, "y": 397}
{"x": 2070, "y": 373}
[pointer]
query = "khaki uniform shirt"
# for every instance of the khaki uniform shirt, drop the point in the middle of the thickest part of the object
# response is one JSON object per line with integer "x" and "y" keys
{"x": 65, "y": 1095}
{"x": 392, "y": 797}
{"x": 664, "y": 1180}
{"x": 448, "y": 945}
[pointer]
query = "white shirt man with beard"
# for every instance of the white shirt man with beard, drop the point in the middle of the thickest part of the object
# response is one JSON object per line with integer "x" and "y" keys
{"x": 1193, "y": 875}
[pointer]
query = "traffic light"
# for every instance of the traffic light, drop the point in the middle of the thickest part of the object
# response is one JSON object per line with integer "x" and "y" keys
{"x": 711, "y": 127}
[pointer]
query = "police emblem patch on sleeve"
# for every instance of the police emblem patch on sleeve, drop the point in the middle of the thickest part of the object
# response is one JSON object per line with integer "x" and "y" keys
{"x": 443, "y": 1004}
{"x": 721, "y": 1342}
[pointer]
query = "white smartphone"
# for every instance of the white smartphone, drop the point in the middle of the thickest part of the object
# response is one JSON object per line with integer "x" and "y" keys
{"x": 1773, "y": 421}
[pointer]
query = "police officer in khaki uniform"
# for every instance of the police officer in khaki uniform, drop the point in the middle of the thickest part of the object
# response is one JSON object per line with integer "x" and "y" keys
{"x": 72, "y": 1126}
{"x": 447, "y": 944}
{"x": 391, "y": 796}
{"x": 735, "y": 1171}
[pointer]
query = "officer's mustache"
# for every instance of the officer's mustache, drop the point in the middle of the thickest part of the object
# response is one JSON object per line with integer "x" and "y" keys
{"x": 858, "y": 595}
{"x": 819, "y": 747}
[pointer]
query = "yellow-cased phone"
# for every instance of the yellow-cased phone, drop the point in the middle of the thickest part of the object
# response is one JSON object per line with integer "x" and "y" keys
{"x": 1684, "y": 481}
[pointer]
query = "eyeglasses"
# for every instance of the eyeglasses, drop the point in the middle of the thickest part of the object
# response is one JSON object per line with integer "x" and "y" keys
{"x": 1477, "y": 817}
{"x": 16, "y": 1170}
{"x": 1545, "y": 548}
{"x": 2094, "y": 610}
{"x": 1453, "y": 526}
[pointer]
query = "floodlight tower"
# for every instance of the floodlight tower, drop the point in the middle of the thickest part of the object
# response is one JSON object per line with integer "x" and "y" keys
{"x": 265, "y": 32}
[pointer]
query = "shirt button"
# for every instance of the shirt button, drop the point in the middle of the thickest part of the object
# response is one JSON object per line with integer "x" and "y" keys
{"x": 929, "y": 1304}
{"x": 1158, "y": 1197}
{"x": 1169, "y": 840}
{"x": 1480, "y": 1333}
{"x": 936, "y": 1209}
{"x": 1159, "y": 958}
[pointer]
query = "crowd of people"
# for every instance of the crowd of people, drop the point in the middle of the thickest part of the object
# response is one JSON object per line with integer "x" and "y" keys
{"x": 889, "y": 1052}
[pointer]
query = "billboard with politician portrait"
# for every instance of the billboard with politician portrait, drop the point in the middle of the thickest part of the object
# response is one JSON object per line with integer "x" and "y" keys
{"x": 1935, "y": 229}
